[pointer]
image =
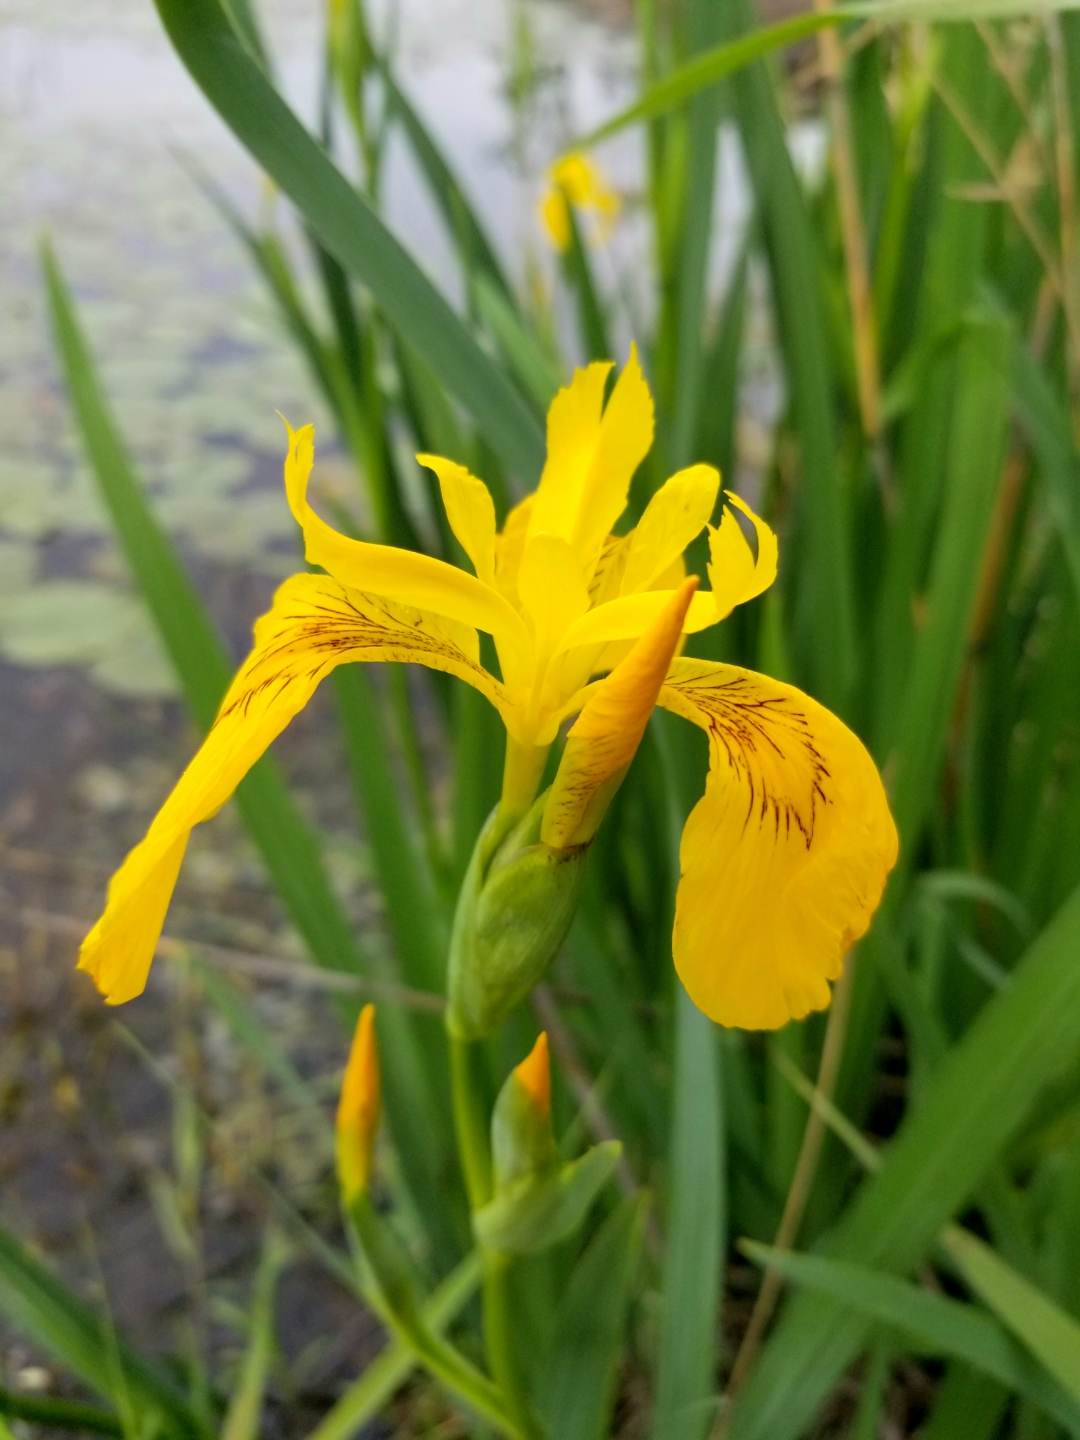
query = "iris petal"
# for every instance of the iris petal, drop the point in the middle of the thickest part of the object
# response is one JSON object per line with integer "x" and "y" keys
{"x": 400, "y": 575}
{"x": 314, "y": 625}
{"x": 675, "y": 516}
{"x": 734, "y": 573}
{"x": 785, "y": 857}
{"x": 470, "y": 511}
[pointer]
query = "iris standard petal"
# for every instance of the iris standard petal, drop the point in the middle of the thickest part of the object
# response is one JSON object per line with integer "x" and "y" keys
{"x": 785, "y": 857}
{"x": 551, "y": 588}
{"x": 470, "y": 511}
{"x": 675, "y": 516}
{"x": 400, "y": 575}
{"x": 593, "y": 451}
{"x": 734, "y": 574}
{"x": 314, "y": 625}
{"x": 631, "y": 615}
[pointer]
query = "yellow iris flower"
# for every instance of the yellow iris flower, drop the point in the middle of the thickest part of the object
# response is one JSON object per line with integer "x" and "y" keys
{"x": 575, "y": 180}
{"x": 784, "y": 858}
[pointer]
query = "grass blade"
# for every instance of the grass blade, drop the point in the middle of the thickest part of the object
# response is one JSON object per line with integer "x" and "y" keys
{"x": 930, "y": 1323}
{"x": 981, "y": 1090}
{"x": 242, "y": 1420}
{"x": 534, "y": 370}
{"x": 46, "y": 1311}
{"x": 1050, "y": 1333}
{"x": 976, "y": 452}
{"x": 695, "y": 1228}
{"x": 581, "y": 1369}
{"x": 682, "y": 84}
{"x": 477, "y": 253}
{"x": 57, "y": 1415}
{"x": 349, "y": 229}
{"x": 367, "y": 1395}
{"x": 825, "y": 603}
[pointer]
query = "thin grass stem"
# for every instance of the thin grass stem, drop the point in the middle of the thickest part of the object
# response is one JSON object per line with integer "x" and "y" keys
{"x": 798, "y": 1196}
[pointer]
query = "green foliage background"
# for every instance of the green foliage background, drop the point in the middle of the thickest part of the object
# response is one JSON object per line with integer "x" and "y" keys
{"x": 926, "y": 491}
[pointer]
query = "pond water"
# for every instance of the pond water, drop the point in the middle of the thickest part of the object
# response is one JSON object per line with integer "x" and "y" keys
{"x": 96, "y": 117}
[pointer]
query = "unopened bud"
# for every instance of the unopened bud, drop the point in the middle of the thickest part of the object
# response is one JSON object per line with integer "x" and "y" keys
{"x": 513, "y": 914}
{"x": 358, "y": 1110}
{"x": 604, "y": 738}
{"x": 521, "y": 1139}
{"x": 538, "y": 1200}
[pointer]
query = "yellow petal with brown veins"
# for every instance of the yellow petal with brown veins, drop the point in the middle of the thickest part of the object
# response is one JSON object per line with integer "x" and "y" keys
{"x": 314, "y": 625}
{"x": 785, "y": 857}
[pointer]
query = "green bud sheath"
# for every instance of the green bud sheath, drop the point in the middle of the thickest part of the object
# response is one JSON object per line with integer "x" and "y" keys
{"x": 513, "y": 914}
{"x": 536, "y": 1211}
{"x": 522, "y": 1142}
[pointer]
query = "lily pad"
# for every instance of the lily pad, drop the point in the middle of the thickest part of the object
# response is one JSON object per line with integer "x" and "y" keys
{"x": 83, "y": 622}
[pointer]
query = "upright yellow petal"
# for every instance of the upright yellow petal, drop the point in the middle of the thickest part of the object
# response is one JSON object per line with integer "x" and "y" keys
{"x": 470, "y": 511}
{"x": 509, "y": 548}
{"x": 358, "y": 1110}
{"x": 734, "y": 574}
{"x": 602, "y": 741}
{"x": 314, "y": 625}
{"x": 675, "y": 516}
{"x": 553, "y": 592}
{"x": 400, "y": 575}
{"x": 624, "y": 439}
{"x": 785, "y": 857}
{"x": 573, "y": 428}
{"x": 593, "y": 452}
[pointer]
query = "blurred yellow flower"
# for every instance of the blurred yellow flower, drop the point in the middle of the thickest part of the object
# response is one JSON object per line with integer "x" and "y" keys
{"x": 575, "y": 180}
{"x": 784, "y": 858}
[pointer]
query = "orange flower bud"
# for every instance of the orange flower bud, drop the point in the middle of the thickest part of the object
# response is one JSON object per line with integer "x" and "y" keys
{"x": 358, "y": 1110}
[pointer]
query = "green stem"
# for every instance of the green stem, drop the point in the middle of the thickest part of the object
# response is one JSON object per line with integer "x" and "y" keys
{"x": 522, "y": 772}
{"x": 498, "y": 1342}
{"x": 475, "y": 1152}
{"x": 458, "y": 1375}
{"x": 470, "y": 1127}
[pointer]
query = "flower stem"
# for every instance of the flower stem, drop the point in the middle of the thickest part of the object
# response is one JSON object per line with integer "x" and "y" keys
{"x": 475, "y": 1155}
{"x": 522, "y": 772}
{"x": 798, "y": 1194}
{"x": 469, "y": 1124}
{"x": 498, "y": 1342}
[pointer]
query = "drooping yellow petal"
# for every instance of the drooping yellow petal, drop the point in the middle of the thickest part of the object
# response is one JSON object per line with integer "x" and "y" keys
{"x": 358, "y": 1110}
{"x": 734, "y": 574}
{"x": 401, "y": 575}
{"x": 314, "y": 625}
{"x": 631, "y": 615}
{"x": 602, "y": 741}
{"x": 470, "y": 511}
{"x": 593, "y": 451}
{"x": 675, "y": 516}
{"x": 785, "y": 857}
{"x": 552, "y": 589}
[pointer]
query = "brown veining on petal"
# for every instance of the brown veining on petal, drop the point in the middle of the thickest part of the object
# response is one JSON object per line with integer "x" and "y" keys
{"x": 760, "y": 737}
